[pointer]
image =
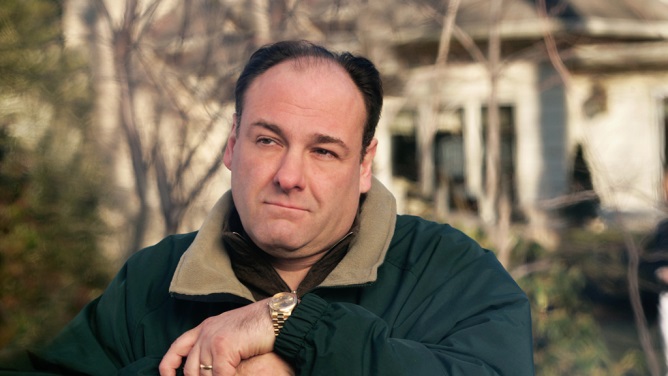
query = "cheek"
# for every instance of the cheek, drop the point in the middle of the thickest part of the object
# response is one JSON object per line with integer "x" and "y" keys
{"x": 340, "y": 183}
{"x": 254, "y": 174}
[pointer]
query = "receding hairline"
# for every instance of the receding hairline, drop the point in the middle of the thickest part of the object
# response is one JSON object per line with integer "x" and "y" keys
{"x": 307, "y": 62}
{"x": 303, "y": 63}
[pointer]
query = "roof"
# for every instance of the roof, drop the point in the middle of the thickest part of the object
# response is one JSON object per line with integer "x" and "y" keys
{"x": 626, "y": 19}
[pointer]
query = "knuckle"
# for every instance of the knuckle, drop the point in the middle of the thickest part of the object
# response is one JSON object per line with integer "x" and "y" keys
{"x": 218, "y": 347}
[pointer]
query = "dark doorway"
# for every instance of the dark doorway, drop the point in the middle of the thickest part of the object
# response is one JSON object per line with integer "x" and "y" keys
{"x": 584, "y": 204}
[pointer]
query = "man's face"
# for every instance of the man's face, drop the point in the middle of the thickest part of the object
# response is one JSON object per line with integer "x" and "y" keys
{"x": 297, "y": 172}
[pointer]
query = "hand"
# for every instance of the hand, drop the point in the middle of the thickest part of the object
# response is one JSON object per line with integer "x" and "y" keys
{"x": 222, "y": 341}
{"x": 268, "y": 364}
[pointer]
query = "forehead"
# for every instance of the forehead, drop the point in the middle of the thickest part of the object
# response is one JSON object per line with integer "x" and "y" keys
{"x": 320, "y": 74}
{"x": 307, "y": 87}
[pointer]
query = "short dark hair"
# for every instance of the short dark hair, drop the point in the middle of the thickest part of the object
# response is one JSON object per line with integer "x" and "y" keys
{"x": 362, "y": 71}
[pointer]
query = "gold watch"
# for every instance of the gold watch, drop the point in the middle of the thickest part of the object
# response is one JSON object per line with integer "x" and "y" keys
{"x": 280, "y": 308}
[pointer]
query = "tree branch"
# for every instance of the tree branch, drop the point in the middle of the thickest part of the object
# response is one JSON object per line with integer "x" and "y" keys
{"x": 550, "y": 43}
{"x": 530, "y": 268}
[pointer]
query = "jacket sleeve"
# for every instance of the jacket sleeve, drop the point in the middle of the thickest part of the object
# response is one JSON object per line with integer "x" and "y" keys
{"x": 473, "y": 320}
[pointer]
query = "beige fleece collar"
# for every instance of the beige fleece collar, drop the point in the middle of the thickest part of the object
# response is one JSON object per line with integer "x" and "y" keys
{"x": 205, "y": 267}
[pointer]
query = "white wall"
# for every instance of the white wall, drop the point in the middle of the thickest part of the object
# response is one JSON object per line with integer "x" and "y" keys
{"x": 623, "y": 144}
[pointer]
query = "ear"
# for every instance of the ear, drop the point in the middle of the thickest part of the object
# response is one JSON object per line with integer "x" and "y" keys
{"x": 231, "y": 142}
{"x": 366, "y": 170}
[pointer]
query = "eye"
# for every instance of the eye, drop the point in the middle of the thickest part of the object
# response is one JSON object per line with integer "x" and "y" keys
{"x": 265, "y": 141}
{"x": 325, "y": 153}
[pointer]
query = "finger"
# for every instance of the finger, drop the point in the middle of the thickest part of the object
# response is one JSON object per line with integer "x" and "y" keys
{"x": 204, "y": 354}
{"x": 222, "y": 366}
{"x": 179, "y": 349}
{"x": 194, "y": 362}
{"x": 222, "y": 369}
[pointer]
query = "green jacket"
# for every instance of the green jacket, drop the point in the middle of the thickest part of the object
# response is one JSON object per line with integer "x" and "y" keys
{"x": 411, "y": 297}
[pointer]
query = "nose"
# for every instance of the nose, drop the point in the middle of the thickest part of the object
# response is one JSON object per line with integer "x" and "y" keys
{"x": 290, "y": 174}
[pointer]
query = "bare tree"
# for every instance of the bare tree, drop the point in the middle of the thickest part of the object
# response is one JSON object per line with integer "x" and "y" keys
{"x": 495, "y": 208}
{"x": 173, "y": 66}
{"x": 489, "y": 209}
{"x": 427, "y": 129}
{"x": 633, "y": 252}
{"x": 123, "y": 44}
{"x": 167, "y": 64}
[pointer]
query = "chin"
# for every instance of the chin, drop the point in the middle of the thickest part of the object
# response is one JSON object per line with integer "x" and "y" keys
{"x": 277, "y": 246}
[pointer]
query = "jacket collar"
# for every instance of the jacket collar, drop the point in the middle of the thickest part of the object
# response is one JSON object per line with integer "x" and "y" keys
{"x": 205, "y": 268}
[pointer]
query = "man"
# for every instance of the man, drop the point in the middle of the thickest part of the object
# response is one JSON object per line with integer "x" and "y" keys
{"x": 304, "y": 267}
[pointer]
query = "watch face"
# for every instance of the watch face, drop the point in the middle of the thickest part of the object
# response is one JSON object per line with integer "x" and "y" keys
{"x": 283, "y": 301}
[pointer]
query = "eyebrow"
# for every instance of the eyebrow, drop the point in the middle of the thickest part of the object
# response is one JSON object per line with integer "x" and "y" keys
{"x": 269, "y": 126}
{"x": 319, "y": 138}
{"x": 325, "y": 139}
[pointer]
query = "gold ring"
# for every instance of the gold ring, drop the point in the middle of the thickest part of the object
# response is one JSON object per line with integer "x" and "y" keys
{"x": 205, "y": 367}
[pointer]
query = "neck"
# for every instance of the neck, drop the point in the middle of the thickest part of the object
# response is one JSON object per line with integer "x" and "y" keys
{"x": 293, "y": 271}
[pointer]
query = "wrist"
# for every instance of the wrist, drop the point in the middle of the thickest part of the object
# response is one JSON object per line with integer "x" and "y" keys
{"x": 299, "y": 329}
{"x": 281, "y": 306}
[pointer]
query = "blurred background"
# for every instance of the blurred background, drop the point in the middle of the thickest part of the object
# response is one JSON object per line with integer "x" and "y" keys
{"x": 538, "y": 127}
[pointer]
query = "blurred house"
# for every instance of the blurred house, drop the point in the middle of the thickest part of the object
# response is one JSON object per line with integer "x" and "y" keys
{"x": 584, "y": 118}
{"x": 582, "y": 91}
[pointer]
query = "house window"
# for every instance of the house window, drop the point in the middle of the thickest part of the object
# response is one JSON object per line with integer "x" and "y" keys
{"x": 404, "y": 146}
{"x": 449, "y": 156}
{"x": 404, "y": 161}
{"x": 583, "y": 205}
{"x": 507, "y": 173}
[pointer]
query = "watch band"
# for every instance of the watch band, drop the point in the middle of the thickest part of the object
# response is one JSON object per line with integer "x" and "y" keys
{"x": 280, "y": 309}
{"x": 278, "y": 319}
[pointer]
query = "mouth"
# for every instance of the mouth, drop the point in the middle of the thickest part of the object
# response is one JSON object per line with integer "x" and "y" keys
{"x": 285, "y": 206}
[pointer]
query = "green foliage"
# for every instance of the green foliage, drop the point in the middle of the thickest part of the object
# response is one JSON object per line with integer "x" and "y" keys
{"x": 50, "y": 180}
{"x": 601, "y": 256}
{"x": 30, "y": 40}
{"x": 567, "y": 337}
{"x": 50, "y": 265}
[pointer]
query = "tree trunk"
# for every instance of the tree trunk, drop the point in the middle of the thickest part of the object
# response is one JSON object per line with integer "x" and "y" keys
{"x": 428, "y": 124}
{"x": 122, "y": 47}
{"x": 489, "y": 207}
